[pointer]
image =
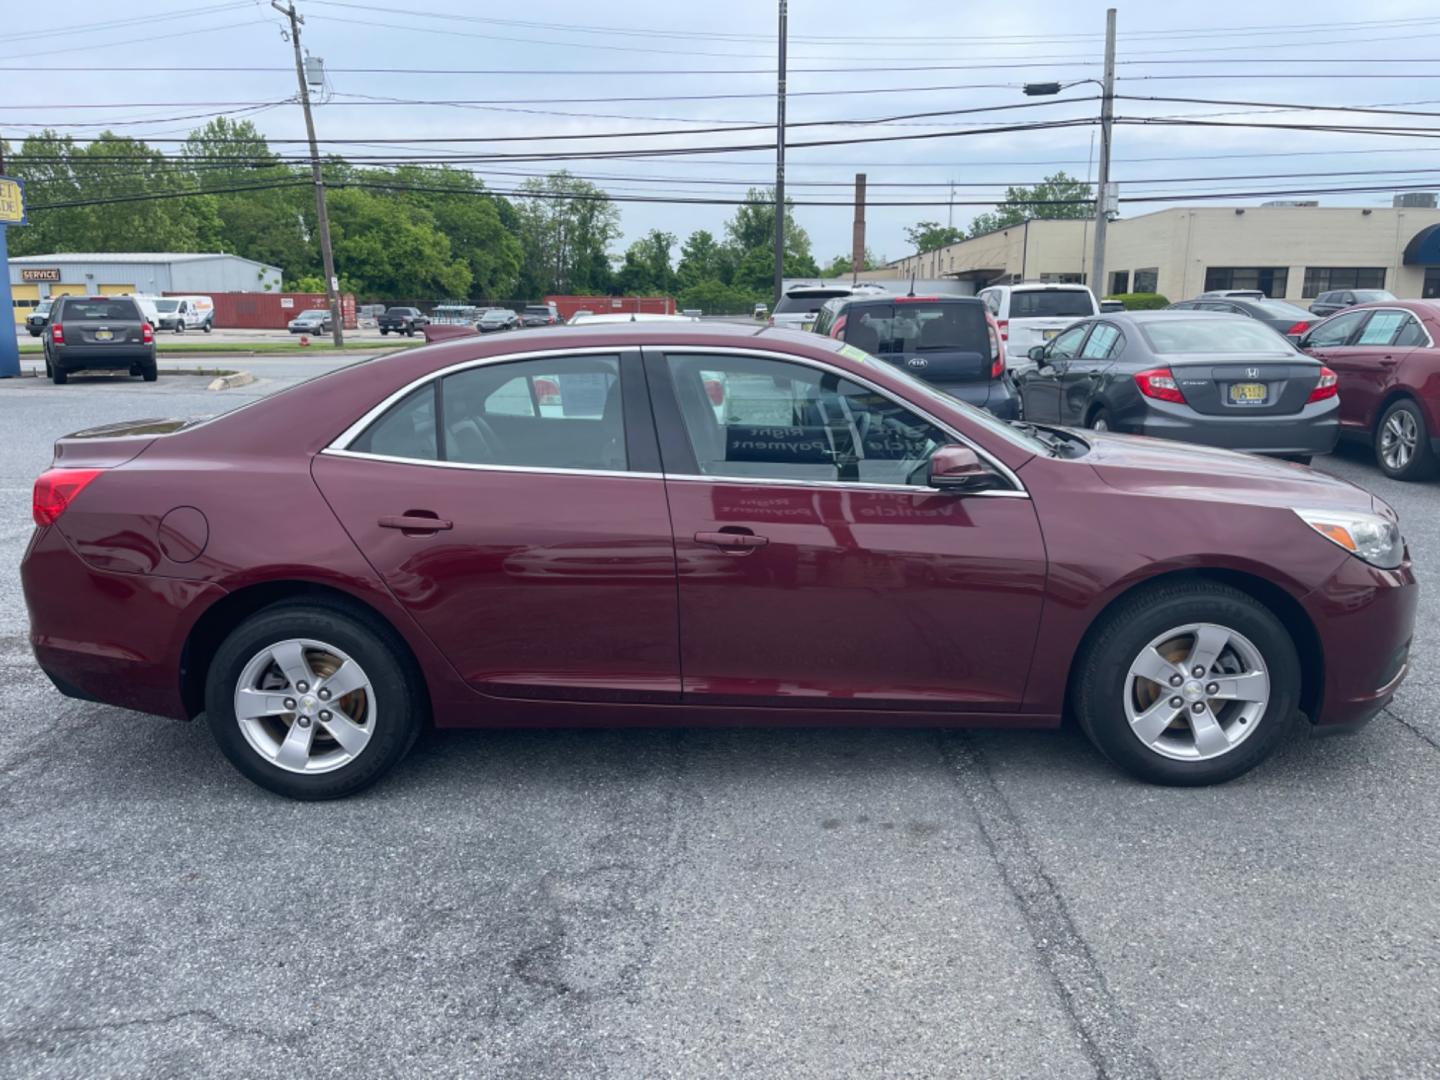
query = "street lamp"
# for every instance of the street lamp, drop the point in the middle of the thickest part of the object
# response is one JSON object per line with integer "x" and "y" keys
{"x": 1105, "y": 201}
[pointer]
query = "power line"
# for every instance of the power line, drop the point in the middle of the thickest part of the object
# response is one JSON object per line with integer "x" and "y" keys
{"x": 71, "y": 29}
{"x": 148, "y": 39}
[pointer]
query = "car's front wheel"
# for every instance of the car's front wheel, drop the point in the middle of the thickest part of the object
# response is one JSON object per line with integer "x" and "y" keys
{"x": 1187, "y": 683}
{"x": 313, "y": 701}
{"x": 1402, "y": 443}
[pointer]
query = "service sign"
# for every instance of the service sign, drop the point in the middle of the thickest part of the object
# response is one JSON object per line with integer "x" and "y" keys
{"x": 36, "y": 273}
{"x": 12, "y": 201}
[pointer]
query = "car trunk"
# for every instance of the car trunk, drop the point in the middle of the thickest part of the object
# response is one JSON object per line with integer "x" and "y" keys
{"x": 100, "y": 332}
{"x": 945, "y": 343}
{"x": 113, "y": 444}
{"x": 1233, "y": 386}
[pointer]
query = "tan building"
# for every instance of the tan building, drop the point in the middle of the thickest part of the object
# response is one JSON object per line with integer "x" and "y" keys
{"x": 1294, "y": 252}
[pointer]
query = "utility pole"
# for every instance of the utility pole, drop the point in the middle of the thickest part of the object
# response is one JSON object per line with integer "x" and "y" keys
{"x": 322, "y": 215}
{"x": 950, "y": 218}
{"x": 1102, "y": 191}
{"x": 9, "y": 346}
{"x": 857, "y": 237}
{"x": 780, "y": 160}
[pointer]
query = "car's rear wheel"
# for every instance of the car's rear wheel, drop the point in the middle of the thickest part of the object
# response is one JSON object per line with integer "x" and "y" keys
{"x": 180, "y": 327}
{"x": 58, "y": 375}
{"x": 313, "y": 701}
{"x": 150, "y": 372}
{"x": 1100, "y": 420}
{"x": 384, "y": 330}
{"x": 1402, "y": 443}
{"x": 1189, "y": 683}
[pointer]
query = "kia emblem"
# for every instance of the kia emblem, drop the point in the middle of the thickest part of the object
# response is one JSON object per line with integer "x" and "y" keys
{"x": 918, "y": 361}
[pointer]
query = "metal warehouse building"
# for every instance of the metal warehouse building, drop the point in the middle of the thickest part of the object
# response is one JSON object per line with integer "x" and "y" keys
{"x": 1289, "y": 252}
{"x": 35, "y": 277}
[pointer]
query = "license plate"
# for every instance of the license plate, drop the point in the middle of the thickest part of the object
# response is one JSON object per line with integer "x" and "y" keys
{"x": 1247, "y": 393}
{"x": 104, "y": 335}
{"x": 1048, "y": 334}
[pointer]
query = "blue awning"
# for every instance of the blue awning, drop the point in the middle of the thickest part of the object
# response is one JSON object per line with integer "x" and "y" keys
{"x": 1424, "y": 247}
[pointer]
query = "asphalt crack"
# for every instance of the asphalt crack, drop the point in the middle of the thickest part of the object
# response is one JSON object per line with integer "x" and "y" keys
{"x": 1408, "y": 726}
{"x": 49, "y": 1039}
{"x": 1106, "y": 1030}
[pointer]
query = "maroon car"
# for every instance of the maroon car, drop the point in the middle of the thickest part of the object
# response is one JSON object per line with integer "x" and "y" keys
{"x": 1388, "y": 360}
{"x": 652, "y": 524}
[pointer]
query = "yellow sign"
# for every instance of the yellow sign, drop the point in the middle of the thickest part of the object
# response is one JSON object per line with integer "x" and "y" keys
{"x": 12, "y": 202}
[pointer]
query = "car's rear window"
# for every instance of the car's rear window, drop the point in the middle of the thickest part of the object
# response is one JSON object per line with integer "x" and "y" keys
{"x": 1366, "y": 296}
{"x": 115, "y": 310}
{"x": 1218, "y": 334}
{"x": 536, "y": 309}
{"x": 807, "y": 303}
{"x": 1050, "y": 304}
{"x": 1278, "y": 309}
{"x": 904, "y": 327}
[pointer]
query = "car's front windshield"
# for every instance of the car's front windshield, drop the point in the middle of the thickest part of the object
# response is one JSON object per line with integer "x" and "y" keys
{"x": 167, "y": 306}
{"x": 314, "y": 314}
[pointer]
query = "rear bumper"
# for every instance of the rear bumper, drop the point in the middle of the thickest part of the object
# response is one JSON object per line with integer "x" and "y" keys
{"x": 102, "y": 356}
{"x": 995, "y": 396}
{"x": 1366, "y": 620}
{"x": 109, "y": 637}
{"x": 1313, "y": 430}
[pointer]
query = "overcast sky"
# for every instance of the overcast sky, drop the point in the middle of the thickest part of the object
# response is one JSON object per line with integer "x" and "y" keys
{"x": 938, "y": 56}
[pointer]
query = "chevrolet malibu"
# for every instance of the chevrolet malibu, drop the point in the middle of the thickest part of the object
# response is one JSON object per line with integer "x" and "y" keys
{"x": 661, "y": 523}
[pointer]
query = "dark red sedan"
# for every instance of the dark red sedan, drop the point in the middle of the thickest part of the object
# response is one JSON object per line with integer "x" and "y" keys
{"x": 652, "y": 524}
{"x": 1387, "y": 356}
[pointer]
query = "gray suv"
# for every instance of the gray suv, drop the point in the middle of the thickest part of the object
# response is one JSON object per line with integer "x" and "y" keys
{"x": 98, "y": 332}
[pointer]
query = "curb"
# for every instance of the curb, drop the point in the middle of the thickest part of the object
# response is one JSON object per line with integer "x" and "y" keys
{"x": 232, "y": 380}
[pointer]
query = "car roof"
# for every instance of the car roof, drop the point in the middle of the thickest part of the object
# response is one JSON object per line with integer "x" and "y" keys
{"x": 1037, "y": 285}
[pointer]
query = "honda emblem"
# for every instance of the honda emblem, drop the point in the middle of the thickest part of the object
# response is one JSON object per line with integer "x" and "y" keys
{"x": 1252, "y": 372}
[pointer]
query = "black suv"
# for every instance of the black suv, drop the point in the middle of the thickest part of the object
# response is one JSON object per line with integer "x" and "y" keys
{"x": 950, "y": 342}
{"x": 1327, "y": 303}
{"x": 89, "y": 332}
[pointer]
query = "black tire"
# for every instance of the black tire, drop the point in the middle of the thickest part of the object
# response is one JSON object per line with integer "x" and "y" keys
{"x": 206, "y": 328}
{"x": 400, "y": 702}
{"x": 384, "y": 330}
{"x": 1098, "y": 684}
{"x": 150, "y": 372}
{"x": 58, "y": 375}
{"x": 1421, "y": 464}
{"x": 1100, "y": 420}
{"x": 410, "y": 331}
{"x": 180, "y": 327}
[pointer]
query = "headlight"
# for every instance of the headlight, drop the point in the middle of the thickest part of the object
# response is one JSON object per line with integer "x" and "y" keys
{"x": 1370, "y": 537}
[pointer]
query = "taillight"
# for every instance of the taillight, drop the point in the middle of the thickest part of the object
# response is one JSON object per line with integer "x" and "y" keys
{"x": 1004, "y": 325}
{"x": 1298, "y": 329}
{"x": 147, "y": 335}
{"x": 997, "y": 354}
{"x": 1327, "y": 387}
{"x": 55, "y": 490}
{"x": 839, "y": 328}
{"x": 57, "y": 333}
{"x": 1159, "y": 383}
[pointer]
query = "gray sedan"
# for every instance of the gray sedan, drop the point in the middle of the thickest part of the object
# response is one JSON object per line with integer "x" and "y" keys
{"x": 1285, "y": 319}
{"x": 316, "y": 321}
{"x": 1220, "y": 380}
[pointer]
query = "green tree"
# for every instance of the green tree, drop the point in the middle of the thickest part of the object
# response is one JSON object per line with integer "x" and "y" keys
{"x": 565, "y": 226}
{"x": 646, "y": 269}
{"x": 842, "y": 265}
{"x": 716, "y": 298}
{"x": 751, "y": 236}
{"x": 704, "y": 259}
{"x": 391, "y": 250}
{"x": 929, "y": 235}
{"x": 1058, "y": 196}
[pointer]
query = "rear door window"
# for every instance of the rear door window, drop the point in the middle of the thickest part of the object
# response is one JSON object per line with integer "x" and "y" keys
{"x": 1100, "y": 343}
{"x": 1411, "y": 334}
{"x": 1050, "y": 304}
{"x": 100, "y": 310}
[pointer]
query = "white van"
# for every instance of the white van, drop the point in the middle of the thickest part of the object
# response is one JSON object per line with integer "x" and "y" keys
{"x": 188, "y": 313}
{"x": 149, "y": 310}
{"x": 1032, "y": 312}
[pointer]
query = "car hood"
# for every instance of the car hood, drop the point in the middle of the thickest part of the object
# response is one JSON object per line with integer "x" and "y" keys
{"x": 1144, "y": 465}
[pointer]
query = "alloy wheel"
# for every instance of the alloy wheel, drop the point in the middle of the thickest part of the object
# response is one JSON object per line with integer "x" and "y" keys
{"x": 305, "y": 706}
{"x": 1196, "y": 692}
{"x": 1398, "y": 440}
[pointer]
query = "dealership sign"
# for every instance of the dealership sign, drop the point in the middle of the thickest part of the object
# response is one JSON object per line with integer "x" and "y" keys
{"x": 12, "y": 202}
{"x": 39, "y": 274}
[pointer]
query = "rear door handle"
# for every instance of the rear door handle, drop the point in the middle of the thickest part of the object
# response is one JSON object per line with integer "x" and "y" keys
{"x": 732, "y": 543}
{"x": 415, "y": 522}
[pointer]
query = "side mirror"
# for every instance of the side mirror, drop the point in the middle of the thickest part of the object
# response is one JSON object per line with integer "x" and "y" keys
{"x": 958, "y": 468}
{"x": 1037, "y": 355}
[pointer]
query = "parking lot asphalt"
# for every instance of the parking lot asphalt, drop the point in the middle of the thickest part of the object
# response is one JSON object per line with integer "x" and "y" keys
{"x": 703, "y": 903}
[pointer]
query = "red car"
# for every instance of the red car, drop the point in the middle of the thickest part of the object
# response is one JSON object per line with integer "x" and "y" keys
{"x": 571, "y": 529}
{"x": 1388, "y": 358}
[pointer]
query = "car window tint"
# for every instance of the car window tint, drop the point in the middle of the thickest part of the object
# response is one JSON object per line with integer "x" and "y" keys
{"x": 1336, "y": 331}
{"x": 1068, "y": 343}
{"x": 748, "y": 417}
{"x": 1382, "y": 328}
{"x": 1211, "y": 335}
{"x": 1101, "y": 340}
{"x": 897, "y": 329}
{"x": 557, "y": 412}
{"x": 1050, "y": 303}
{"x": 115, "y": 310}
{"x": 1411, "y": 333}
{"x": 405, "y": 430}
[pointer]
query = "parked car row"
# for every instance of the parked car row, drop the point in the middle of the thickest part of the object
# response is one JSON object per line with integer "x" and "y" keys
{"x": 1231, "y": 368}
{"x": 177, "y": 313}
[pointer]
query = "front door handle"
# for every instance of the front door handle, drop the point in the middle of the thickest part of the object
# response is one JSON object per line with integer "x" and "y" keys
{"x": 732, "y": 540}
{"x": 415, "y": 522}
